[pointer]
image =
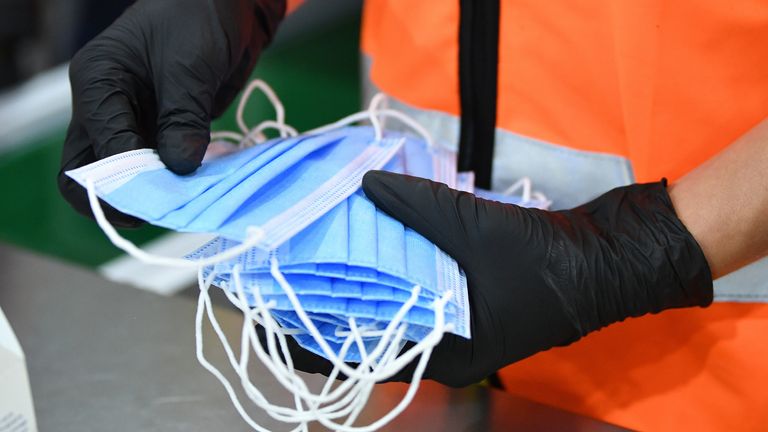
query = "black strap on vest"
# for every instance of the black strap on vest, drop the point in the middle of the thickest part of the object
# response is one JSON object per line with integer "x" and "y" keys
{"x": 478, "y": 71}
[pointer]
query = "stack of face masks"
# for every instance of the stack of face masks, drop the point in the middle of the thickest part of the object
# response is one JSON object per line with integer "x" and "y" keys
{"x": 303, "y": 253}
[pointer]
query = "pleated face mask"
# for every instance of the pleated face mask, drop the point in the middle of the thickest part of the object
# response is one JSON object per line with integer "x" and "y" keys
{"x": 304, "y": 254}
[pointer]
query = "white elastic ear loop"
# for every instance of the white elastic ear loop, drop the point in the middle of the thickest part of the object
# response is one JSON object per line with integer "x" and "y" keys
{"x": 424, "y": 346}
{"x": 284, "y": 129}
{"x": 334, "y": 359}
{"x": 253, "y": 237}
{"x": 524, "y": 183}
{"x": 256, "y": 135}
{"x": 351, "y": 373}
{"x": 528, "y": 193}
{"x": 276, "y": 412}
{"x": 366, "y": 115}
{"x": 439, "y": 321}
{"x": 227, "y": 136}
{"x": 440, "y": 327}
{"x": 372, "y": 114}
{"x": 312, "y": 330}
{"x": 202, "y": 305}
{"x": 251, "y": 390}
{"x": 269, "y": 93}
{"x": 282, "y": 372}
{"x": 377, "y": 124}
{"x": 361, "y": 398}
{"x": 273, "y": 411}
{"x": 269, "y": 328}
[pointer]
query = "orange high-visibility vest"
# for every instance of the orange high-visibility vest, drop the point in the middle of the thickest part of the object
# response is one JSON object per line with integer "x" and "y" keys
{"x": 662, "y": 85}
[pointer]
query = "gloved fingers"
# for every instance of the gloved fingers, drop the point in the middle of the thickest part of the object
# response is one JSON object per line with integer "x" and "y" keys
{"x": 436, "y": 211}
{"x": 184, "y": 92}
{"x": 105, "y": 105}
{"x": 103, "y": 124}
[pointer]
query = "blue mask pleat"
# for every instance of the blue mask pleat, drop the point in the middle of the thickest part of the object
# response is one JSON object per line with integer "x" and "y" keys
{"x": 396, "y": 164}
{"x": 362, "y": 233}
{"x": 271, "y": 189}
{"x": 183, "y": 216}
{"x": 162, "y": 191}
{"x": 332, "y": 270}
{"x": 346, "y": 288}
{"x": 362, "y": 274}
{"x": 323, "y": 242}
{"x": 419, "y": 251}
{"x": 390, "y": 241}
{"x": 375, "y": 292}
{"x": 304, "y": 268}
{"x": 419, "y": 159}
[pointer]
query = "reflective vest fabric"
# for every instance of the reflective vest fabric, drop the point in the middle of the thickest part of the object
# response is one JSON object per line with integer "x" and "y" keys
{"x": 663, "y": 84}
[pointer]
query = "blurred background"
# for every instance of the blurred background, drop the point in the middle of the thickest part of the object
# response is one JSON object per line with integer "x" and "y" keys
{"x": 313, "y": 65}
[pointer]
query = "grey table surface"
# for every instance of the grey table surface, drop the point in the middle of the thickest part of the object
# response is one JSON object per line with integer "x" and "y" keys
{"x": 106, "y": 357}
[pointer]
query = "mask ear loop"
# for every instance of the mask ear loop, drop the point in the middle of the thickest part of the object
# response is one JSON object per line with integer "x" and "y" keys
{"x": 373, "y": 114}
{"x": 272, "y": 410}
{"x": 255, "y": 135}
{"x": 253, "y": 238}
{"x": 250, "y": 390}
{"x": 271, "y": 96}
{"x": 313, "y": 331}
{"x": 268, "y": 324}
{"x": 203, "y": 305}
{"x": 233, "y": 137}
{"x": 524, "y": 184}
{"x": 424, "y": 348}
{"x": 256, "y": 294}
{"x": 439, "y": 329}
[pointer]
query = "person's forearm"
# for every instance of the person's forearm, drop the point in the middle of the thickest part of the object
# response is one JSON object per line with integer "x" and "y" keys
{"x": 724, "y": 203}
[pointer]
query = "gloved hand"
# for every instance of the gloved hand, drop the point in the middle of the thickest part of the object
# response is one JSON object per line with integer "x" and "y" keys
{"x": 540, "y": 279}
{"x": 156, "y": 77}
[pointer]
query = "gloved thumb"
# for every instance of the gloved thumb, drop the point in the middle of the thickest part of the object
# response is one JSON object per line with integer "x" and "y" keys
{"x": 184, "y": 124}
{"x": 441, "y": 214}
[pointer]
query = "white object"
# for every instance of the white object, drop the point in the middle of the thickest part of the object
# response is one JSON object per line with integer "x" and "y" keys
{"x": 17, "y": 413}
{"x": 158, "y": 279}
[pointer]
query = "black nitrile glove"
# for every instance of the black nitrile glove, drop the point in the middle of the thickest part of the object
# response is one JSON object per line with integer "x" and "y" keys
{"x": 156, "y": 77}
{"x": 540, "y": 279}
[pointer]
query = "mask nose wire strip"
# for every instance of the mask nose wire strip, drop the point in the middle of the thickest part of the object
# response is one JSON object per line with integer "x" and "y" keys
{"x": 253, "y": 236}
